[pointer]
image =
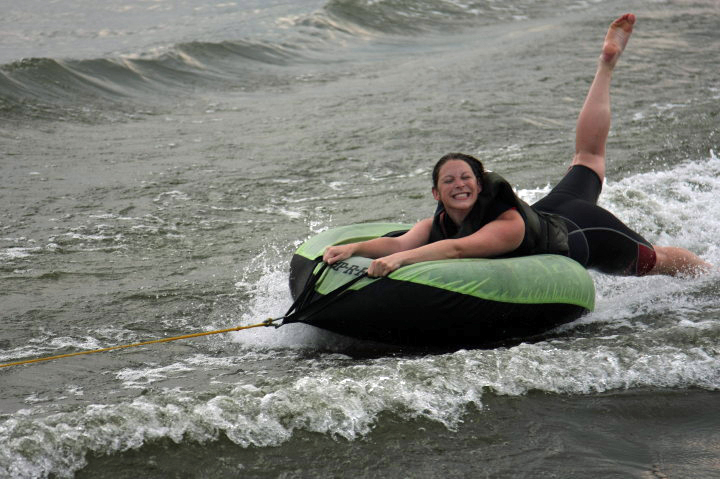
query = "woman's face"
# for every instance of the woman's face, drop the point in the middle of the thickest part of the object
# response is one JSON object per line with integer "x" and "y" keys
{"x": 457, "y": 186}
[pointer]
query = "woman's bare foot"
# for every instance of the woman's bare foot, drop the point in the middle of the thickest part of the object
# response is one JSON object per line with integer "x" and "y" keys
{"x": 617, "y": 37}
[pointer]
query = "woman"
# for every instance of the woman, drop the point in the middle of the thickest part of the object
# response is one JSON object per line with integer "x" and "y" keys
{"x": 479, "y": 216}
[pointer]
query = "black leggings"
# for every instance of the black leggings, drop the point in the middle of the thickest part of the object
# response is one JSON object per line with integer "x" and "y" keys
{"x": 597, "y": 239}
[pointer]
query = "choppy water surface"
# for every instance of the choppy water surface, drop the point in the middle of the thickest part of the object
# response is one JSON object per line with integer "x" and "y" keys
{"x": 162, "y": 160}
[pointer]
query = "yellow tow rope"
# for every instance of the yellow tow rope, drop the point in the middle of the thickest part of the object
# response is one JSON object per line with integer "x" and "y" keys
{"x": 268, "y": 322}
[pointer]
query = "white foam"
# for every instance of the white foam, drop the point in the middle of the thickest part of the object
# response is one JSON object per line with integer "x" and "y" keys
{"x": 142, "y": 377}
{"x": 271, "y": 299}
{"x": 168, "y": 197}
{"x": 673, "y": 207}
{"x": 17, "y": 252}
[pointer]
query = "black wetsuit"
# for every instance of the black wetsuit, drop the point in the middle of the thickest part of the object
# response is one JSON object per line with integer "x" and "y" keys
{"x": 596, "y": 238}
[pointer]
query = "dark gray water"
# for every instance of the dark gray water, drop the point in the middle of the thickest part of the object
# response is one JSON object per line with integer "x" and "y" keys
{"x": 162, "y": 160}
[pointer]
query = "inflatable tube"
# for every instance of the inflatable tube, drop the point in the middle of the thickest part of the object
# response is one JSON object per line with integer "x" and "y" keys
{"x": 437, "y": 304}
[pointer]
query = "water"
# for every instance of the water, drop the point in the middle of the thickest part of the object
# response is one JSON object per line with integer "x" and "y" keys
{"x": 162, "y": 160}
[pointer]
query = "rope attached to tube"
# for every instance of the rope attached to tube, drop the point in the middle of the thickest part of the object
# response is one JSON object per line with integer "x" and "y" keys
{"x": 266, "y": 323}
{"x": 304, "y": 299}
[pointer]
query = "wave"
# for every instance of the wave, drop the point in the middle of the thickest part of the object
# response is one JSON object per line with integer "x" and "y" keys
{"x": 120, "y": 86}
{"x": 332, "y": 395}
{"x": 47, "y": 87}
{"x": 408, "y": 16}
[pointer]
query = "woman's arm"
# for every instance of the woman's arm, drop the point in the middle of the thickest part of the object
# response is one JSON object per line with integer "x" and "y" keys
{"x": 500, "y": 236}
{"x": 418, "y": 235}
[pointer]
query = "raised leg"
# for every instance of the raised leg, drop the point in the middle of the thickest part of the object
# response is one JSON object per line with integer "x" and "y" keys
{"x": 593, "y": 122}
{"x": 591, "y": 134}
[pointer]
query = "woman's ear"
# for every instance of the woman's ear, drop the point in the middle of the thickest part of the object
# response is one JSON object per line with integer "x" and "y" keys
{"x": 435, "y": 194}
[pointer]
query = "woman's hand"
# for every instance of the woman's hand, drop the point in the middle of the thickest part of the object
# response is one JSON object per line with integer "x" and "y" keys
{"x": 385, "y": 265}
{"x": 388, "y": 249}
{"x": 334, "y": 254}
{"x": 379, "y": 267}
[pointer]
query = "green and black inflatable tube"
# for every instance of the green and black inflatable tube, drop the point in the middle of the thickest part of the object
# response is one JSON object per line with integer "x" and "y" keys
{"x": 461, "y": 303}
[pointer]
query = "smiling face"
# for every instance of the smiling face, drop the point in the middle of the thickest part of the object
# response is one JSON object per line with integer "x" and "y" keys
{"x": 457, "y": 188}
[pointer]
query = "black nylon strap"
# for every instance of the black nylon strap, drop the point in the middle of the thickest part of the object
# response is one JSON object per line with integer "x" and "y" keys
{"x": 303, "y": 305}
{"x": 308, "y": 290}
